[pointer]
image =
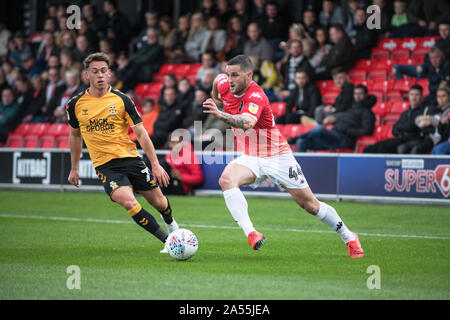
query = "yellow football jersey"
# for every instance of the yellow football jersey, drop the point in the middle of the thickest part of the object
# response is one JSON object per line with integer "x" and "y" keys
{"x": 103, "y": 123}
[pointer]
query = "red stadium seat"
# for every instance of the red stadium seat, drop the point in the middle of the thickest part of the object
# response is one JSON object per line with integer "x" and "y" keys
{"x": 278, "y": 108}
{"x": 363, "y": 142}
{"x": 23, "y": 128}
{"x": 47, "y": 142}
{"x": 380, "y": 84}
{"x": 403, "y": 85}
{"x": 380, "y": 53}
{"x": 55, "y": 129}
{"x": 400, "y": 53}
{"x": 164, "y": 70}
{"x": 388, "y": 44}
{"x": 385, "y": 64}
{"x": 62, "y": 143}
{"x": 377, "y": 74}
{"x": 38, "y": 129}
{"x": 377, "y": 93}
{"x": 393, "y": 94}
{"x": 419, "y": 53}
{"x": 380, "y": 109}
{"x": 14, "y": 140}
{"x": 31, "y": 141}
{"x": 364, "y": 64}
{"x": 293, "y": 130}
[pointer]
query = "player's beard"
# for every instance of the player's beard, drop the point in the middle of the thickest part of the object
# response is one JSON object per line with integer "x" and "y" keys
{"x": 239, "y": 89}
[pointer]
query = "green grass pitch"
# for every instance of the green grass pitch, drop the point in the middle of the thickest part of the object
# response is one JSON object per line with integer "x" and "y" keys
{"x": 43, "y": 233}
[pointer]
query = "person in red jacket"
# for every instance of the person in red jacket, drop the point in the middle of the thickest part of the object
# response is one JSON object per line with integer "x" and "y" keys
{"x": 183, "y": 166}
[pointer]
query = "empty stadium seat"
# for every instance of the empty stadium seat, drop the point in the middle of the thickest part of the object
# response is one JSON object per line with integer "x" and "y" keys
{"x": 381, "y": 74}
{"x": 62, "y": 143}
{"x": 293, "y": 130}
{"x": 31, "y": 141}
{"x": 47, "y": 142}
{"x": 364, "y": 64}
{"x": 403, "y": 85}
{"x": 380, "y": 109}
{"x": 380, "y": 84}
{"x": 15, "y": 140}
{"x": 380, "y": 53}
{"x": 405, "y": 53}
{"x": 278, "y": 108}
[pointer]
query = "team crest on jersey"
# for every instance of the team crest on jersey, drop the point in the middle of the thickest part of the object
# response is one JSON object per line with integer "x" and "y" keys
{"x": 256, "y": 95}
{"x": 253, "y": 108}
{"x": 112, "y": 109}
{"x": 113, "y": 185}
{"x": 85, "y": 112}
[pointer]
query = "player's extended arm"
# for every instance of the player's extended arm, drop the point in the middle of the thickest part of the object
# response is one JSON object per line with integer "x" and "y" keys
{"x": 76, "y": 145}
{"x": 243, "y": 121}
{"x": 158, "y": 172}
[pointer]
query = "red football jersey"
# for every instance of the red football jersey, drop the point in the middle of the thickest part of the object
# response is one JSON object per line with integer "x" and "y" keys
{"x": 265, "y": 140}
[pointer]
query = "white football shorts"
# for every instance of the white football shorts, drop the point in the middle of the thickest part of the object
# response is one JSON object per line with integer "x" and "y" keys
{"x": 283, "y": 170}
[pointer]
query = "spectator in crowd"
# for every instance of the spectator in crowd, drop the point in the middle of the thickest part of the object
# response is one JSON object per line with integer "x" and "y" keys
{"x": 95, "y": 21}
{"x": 235, "y": 40}
{"x": 67, "y": 40}
{"x": 427, "y": 14}
{"x": 357, "y": 121}
{"x": 266, "y": 75}
{"x": 343, "y": 101}
{"x": 437, "y": 70}
{"x": 86, "y": 30}
{"x": 9, "y": 110}
{"x": 443, "y": 43}
{"x": 169, "y": 81}
{"x": 82, "y": 49}
{"x": 72, "y": 87}
{"x": 5, "y": 34}
{"x": 295, "y": 59}
{"x": 208, "y": 61}
{"x": 150, "y": 112}
{"x": 47, "y": 48}
{"x": 365, "y": 39}
{"x": 117, "y": 26}
{"x": 242, "y": 12}
{"x": 401, "y": 25}
{"x": 18, "y": 47}
{"x": 443, "y": 126}
{"x": 405, "y": 129}
{"x": 149, "y": 57}
{"x": 53, "y": 82}
{"x": 322, "y": 49}
{"x": 350, "y": 17}
{"x": 331, "y": 14}
{"x": 257, "y": 45}
{"x": 258, "y": 11}
{"x": 224, "y": 13}
{"x": 274, "y": 27}
{"x": 126, "y": 72}
{"x": 194, "y": 111}
{"x": 68, "y": 62}
{"x": 176, "y": 52}
{"x": 186, "y": 93}
{"x": 433, "y": 126}
{"x": 214, "y": 38}
{"x": 151, "y": 22}
{"x": 36, "y": 109}
{"x": 207, "y": 79}
{"x": 302, "y": 101}
{"x": 24, "y": 94}
{"x": 50, "y": 25}
{"x": 183, "y": 166}
{"x": 342, "y": 54}
{"x": 169, "y": 119}
{"x": 3, "y": 81}
{"x": 166, "y": 34}
{"x": 197, "y": 34}
{"x": 385, "y": 17}
{"x": 310, "y": 22}
{"x": 208, "y": 9}
{"x": 31, "y": 66}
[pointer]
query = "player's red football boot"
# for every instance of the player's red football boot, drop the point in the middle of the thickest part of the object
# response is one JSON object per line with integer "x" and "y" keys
{"x": 354, "y": 248}
{"x": 256, "y": 240}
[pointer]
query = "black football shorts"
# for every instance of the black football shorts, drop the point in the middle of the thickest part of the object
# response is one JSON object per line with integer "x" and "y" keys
{"x": 126, "y": 172}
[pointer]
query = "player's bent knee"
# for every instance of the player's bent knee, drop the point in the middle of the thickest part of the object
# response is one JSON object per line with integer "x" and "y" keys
{"x": 226, "y": 182}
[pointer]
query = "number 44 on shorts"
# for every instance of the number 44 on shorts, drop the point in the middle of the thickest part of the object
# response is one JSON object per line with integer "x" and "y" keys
{"x": 295, "y": 173}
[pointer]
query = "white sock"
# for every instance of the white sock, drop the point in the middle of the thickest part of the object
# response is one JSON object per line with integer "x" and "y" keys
{"x": 238, "y": 207}
{"x": 329, "y": 216}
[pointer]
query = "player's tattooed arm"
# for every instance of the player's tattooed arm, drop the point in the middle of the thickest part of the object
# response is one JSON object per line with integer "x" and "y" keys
{"x": 238, "y": 120}
{"x": 242, "y": 121}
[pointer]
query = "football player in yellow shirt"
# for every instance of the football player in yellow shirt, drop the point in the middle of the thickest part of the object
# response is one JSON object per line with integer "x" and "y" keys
{"x": 100, "y": 116}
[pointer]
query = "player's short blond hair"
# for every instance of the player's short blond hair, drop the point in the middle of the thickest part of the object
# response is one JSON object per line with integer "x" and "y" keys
{"x": 97, "y": 56}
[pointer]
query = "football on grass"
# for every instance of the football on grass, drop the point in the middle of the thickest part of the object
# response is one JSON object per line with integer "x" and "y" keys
{"x": 182, "y": 244}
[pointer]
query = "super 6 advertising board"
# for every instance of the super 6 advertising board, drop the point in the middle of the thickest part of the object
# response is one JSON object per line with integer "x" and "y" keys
{"x": 395, "y": 176}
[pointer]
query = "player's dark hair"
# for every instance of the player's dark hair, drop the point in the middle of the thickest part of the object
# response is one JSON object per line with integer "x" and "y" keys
{"x": 97, "y": 56}
{"x": 242, "y": 61}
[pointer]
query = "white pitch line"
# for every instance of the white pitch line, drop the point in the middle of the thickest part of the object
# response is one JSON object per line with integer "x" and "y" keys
{"x": 386, "y": 235}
